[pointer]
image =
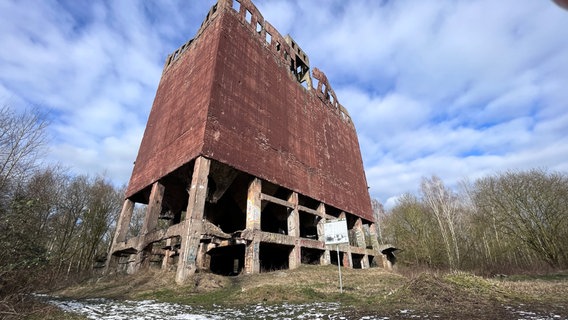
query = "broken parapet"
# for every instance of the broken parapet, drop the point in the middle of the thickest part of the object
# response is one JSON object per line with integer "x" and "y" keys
{"x": 284, "y": 48}
{"x": 246, "y": 154}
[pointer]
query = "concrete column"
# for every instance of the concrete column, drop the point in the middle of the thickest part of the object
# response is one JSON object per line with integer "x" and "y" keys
{"x": 252, "y": 251}
{"x": 203, "y": 259}
{"x": 359, "y": 234}
{"x": 150, "y": 222}
{"x": 325, "y": 258}
{"x": 167, "y": 254}
{"x": 347, "y": 259}
{"x": 295, "y": 258}
{"x": 153, "y": 209}
{"x": 120, "y": 233}
{"x": 365, "y": 262}
{"x": 191, "y": 237}
{"x": 374, "y": 238}
{"x": 254, "y": 204}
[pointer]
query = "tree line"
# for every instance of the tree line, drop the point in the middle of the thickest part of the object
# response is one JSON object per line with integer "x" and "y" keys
{"x": 52, "y": 224}
{"x": 514, "y": 221}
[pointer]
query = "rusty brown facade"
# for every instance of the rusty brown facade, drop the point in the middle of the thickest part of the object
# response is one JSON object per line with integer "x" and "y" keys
{"x": 247, "y": 152}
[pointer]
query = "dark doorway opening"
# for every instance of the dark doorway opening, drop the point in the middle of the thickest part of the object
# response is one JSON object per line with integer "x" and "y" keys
{"x": 357, "y": 260}
{"x": 311, "y": 256}
{"x": 274, "y": 257}
{"x": 227, "y": 260}
{"x": 333, "y": 256}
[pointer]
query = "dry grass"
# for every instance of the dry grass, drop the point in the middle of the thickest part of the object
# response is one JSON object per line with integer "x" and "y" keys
{"x": 371, "y": 291}
{"x": 548, "y": 289}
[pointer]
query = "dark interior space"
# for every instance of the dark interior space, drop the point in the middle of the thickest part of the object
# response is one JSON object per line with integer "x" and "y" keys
{"x": 333, "y": 256}
{"x": 308, "y": 202}
{"x": 357, "y": 260}
{"x": 273, "y": 257}
{"x": 226, "y": 215}
{"x": 372, "y": 262}
{"x": 227, "y": 260}
{"x": 308, "y": 225}
{"x": 351, "y": 220}
{"x": 229, "y": 211}
{"x": 274, "y": 219}
{"x": 311, "y": 256}
{"x": 332, "y": 211}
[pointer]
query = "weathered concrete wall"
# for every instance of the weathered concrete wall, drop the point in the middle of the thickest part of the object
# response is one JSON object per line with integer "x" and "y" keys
{"x": 176, "y": 125}
{"x": 232, "y": 97}
{"x": 262, "y": 121}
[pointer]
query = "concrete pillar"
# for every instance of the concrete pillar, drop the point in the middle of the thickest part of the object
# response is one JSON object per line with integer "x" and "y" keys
{"x": 374, "y": 238}
{"x": 153, "y": 209}
{"x": 252, "y": 251}
{"x": 295, "y": 258}
{"x": 203, "y": 259}
{"x": 347, "y": 259}
{"x": 365, "y": 262}
{"x": 167, "y": 254}
{"x": 120, "y": 233}
{"x": 325, "y": 258}
{"x": 359, "y": 234}
{"x": 190, "y": 237}
{"x": 150, "y": 222}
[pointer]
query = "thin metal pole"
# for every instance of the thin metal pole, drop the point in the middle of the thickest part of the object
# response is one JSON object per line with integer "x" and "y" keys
{"x": 339, "y": 266}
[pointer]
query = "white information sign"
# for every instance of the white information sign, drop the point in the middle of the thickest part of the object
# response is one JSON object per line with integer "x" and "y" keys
{"x": 336, "y": 232}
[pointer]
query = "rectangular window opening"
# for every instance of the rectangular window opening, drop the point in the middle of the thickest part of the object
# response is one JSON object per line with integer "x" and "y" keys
{"x": 268, "y": 38}
{"x": 258, "y": 27}
{"x": 236, "y": 5}
{"x": 278, "y": 46}
{"x": 248, "y": 16}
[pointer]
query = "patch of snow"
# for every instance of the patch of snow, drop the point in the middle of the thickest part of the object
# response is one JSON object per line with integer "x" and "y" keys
{"x": 107, "y": 309}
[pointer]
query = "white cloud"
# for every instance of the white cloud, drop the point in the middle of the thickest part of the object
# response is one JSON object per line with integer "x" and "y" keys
{"x": 447, "y": 87}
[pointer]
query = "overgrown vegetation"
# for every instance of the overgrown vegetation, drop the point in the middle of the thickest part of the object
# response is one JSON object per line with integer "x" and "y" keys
{"x": 513, "y": 222}
{"x": 53, "y": 226}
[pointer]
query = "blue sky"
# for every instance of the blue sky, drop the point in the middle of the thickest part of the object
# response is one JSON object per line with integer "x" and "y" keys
{"x": 460, "y": 89}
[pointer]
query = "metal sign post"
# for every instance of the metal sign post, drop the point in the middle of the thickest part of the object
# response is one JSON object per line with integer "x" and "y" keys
{"x": 339, "y": 266}
{"x": 336, "y": 233}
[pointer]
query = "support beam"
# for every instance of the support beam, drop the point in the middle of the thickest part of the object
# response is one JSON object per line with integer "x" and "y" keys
{"x": 374, "y": 237}
{"x": 365, "y": 262}
{"x": 153, "y": 210}
{"x": 359, "y": 234}
{"x": 325, "y": 257}
{"x": 295, "y": 258}
{"x": 252, "y": 251}
{"x": 347, "y": 259}
{"x": 194, "y": 216}
{"x": 167, "y": 254}
{"x": 120, "y": 234}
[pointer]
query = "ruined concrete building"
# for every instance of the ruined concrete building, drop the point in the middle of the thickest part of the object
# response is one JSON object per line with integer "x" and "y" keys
{"x": 247, "y": 152}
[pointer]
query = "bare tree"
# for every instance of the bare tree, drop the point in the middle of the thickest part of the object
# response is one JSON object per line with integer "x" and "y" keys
{"x": 22, "y": 141}
{"x": 531, "y": 207}
{"x": 408, "y": 225}
{"x": 444, "y": 204}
